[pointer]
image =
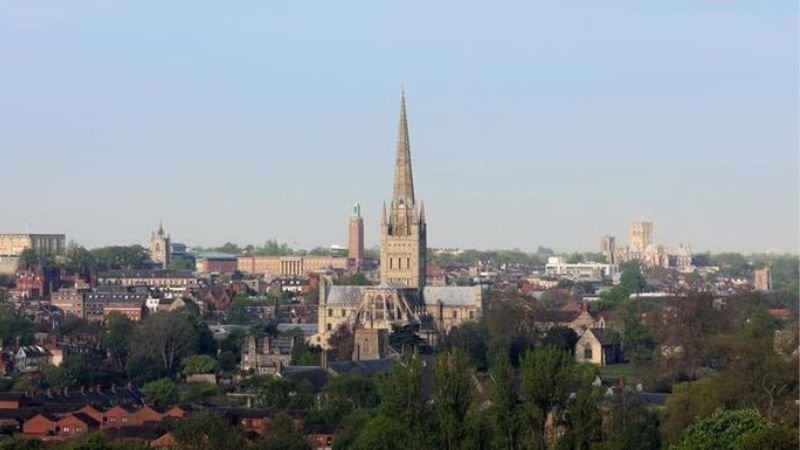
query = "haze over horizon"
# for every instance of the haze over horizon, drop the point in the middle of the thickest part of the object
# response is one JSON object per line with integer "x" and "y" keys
{"x": 530, "y": 124}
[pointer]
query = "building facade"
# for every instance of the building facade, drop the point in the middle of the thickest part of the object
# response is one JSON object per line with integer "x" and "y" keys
{"x": 402, "y": 296}
{"x": 283, "y": 266}
{"x": 160, "y": 249}
{"x": 403, "y": 231}
{"x": 355, "y": 241}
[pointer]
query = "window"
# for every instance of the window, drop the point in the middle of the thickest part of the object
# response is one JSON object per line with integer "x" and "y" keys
{"x": 471, "y": 315}
{"x": 408, "y": 263}
{"x": 330, "y": 327}
{"x": 587, "y": 352}
{"x": 455, "y": 314}
{"x": 330, "y": 312}
{"x": 342, "y": 313}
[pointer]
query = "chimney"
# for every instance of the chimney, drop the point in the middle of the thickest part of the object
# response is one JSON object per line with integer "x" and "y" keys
{"x": 49, "y": 393}
{"x": 114, "y": 388}
{"x": 98, "y": 389}
{"x": 130, "y": 386}
{"x": 83, "y": 390}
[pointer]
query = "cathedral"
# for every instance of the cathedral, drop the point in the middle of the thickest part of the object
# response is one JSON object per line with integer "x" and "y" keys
{"x": 402, "y": 297}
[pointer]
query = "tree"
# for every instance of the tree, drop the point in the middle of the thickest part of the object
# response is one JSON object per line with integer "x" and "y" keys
{"x": 547, "y": 376}
{"x": 27, "y": 259}
{"x": 405, "y": 337}
{"x": 632, "y": 426}
{"x": 121, "y": 257}
{"x": 583, "y": 417}
{"x": 470, "y": 338}
{"x": 304, "y": 354}
{"x": 342, "y": 343}
{"x": 773, "y": 438}
{"x": 204, "y": 431}
{"x": 166, "y": 338}
{"x": 383, "y": 433}
{"x": 282, "y": 434}
{"x": 118, "y": 332}
{"x": 357, "y": 279}
{"x": 632, "y": 279}
{"x": 504, "y": 412}
{"x": 281, "y": 393}
{"x": 17, "y": 443}
{"x": 562, "y": 338}
{"x": 198, "y": 364}
{"x": 162, "y": 392}
{"x": 725, "y": 429}
{"x": 452, "y": 397}
{"x": 401, "y": 393}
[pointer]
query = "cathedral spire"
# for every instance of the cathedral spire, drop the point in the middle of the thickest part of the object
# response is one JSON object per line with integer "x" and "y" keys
{"x": 403, "y": 179}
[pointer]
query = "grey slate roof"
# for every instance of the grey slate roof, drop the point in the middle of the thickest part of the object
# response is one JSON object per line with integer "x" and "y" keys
{"x": 365, "y": 367}
{"x": 450, "y": 295}
{"x": 600, "y": 334}
{"x": 345, "y": 295}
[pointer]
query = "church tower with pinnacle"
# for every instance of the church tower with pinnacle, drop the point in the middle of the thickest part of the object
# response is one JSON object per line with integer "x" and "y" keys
{"x": 403, "y": 227}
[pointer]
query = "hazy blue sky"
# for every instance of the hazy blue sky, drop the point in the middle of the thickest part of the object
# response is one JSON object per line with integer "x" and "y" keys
{"x": 532, "y": 123}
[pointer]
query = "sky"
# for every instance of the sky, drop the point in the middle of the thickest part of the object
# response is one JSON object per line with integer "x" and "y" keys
{"x": 531, "y": 123}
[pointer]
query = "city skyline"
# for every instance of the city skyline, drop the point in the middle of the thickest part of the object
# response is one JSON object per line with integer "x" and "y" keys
{"x": 245, "y": 140}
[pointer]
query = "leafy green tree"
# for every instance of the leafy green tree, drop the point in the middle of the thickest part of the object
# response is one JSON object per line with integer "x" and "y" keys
{"x": 18, "y": 443}
{"x": 198, "y": 391}
{"x": 773, "y": 438}
{"x": 632, "y": 426}
{"x": 282, "y": 434}
{"x": 198, "y": 364}
{"x": 118, "y": 332}
{"x": 583, "y": 417}
{"x": 470, "y": 338}
{"x": 405, "y": 337}
{"x": 227, "y": 361}
{"x": 205, "y": 431}
{"x": 304, "y": 354}
{"x": 162, "y": 392}
{"x": 121, "y": 257}
{"x": 27, "y": 259}
{"x": 14, "y": 325}
{"x": 452, "y": 397}
{"x": 383, "y": 433}
{"x": 547, "y": 376}
{"x": 562, "y": 338}
{"x": 281, "y": 393}
{"x": 504, "y": 411}
{"x": 350, "y": 428}
{"x": 357, "y": 279}
{"x": 726, "y": 429}
{"x": 166, "y": 338}
{"x": 632, "y": 279}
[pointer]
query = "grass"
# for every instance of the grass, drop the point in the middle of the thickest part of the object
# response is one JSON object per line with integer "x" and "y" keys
{"x": 631, "y": 372}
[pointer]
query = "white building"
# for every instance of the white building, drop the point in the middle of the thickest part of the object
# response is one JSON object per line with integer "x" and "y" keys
{"x": 557, "y": 266}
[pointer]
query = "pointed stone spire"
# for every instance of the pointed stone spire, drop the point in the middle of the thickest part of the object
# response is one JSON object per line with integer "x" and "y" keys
{"x": 403, "y": 179}
{"x": 160, "y": 228}
{"x": 383, "y": 214}
{"x": 422, "y": 212}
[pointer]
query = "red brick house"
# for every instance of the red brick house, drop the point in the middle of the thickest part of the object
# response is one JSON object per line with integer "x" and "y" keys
{"x": 145, "y": 414}
{"x": 41, "y": 424}
{"x": 75, "y": 424}
{"x": 116, "y": 416}
{"x": 92, "y": 412}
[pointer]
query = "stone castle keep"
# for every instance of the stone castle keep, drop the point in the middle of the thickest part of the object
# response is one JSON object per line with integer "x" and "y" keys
{"x": 402, "y": 297}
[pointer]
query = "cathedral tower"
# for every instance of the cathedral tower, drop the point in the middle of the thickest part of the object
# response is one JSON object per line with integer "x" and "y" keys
{"x": 159, "y": 247}
{"x": 403, "y": 230}
{"x": 355, "y": 244}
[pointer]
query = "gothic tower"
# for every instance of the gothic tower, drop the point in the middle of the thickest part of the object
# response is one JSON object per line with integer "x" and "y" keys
{"x": 403, "y": 230}
{"x": 159, "y": 247}
{"x": 355, "y": 244}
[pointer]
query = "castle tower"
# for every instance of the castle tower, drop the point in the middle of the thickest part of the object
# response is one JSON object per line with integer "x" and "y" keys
{"x": 159, "y": 247}
{"x": 403, "y": 230}
{"x": 355, "y": 244}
